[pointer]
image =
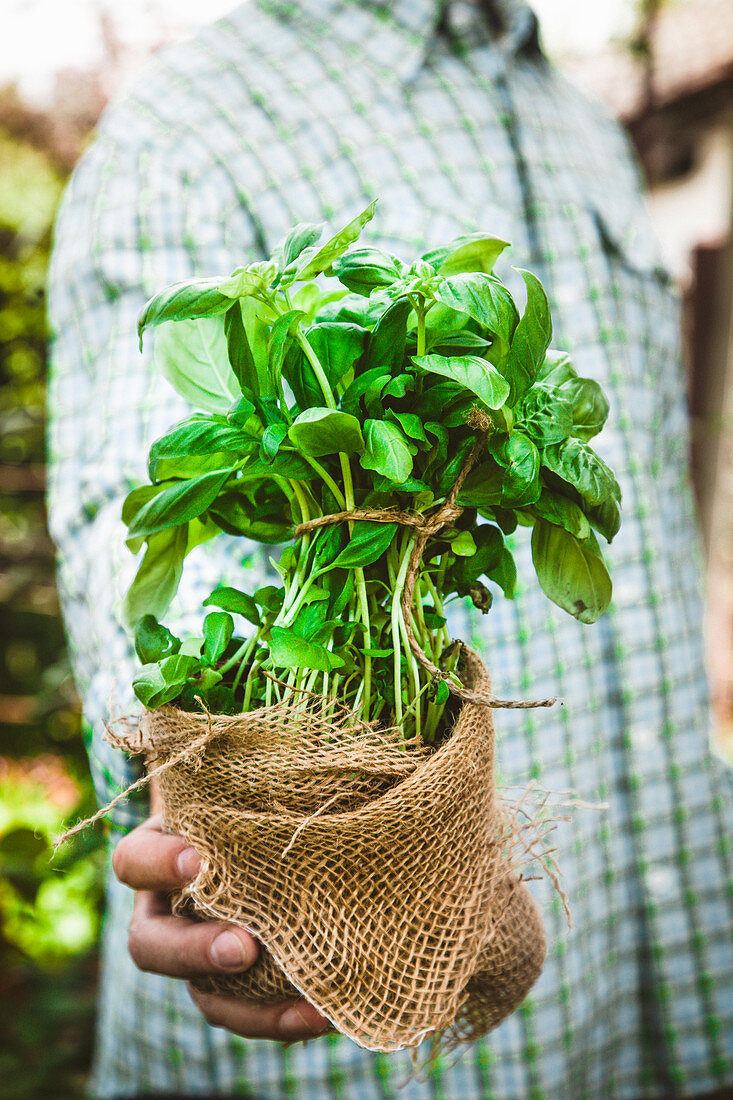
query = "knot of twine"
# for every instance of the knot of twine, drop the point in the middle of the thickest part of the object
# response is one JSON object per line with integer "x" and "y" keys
{"x": 427, "y": 525}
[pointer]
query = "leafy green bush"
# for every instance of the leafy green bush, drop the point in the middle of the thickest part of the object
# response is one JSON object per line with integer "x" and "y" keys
{"x": 49, "y": 910}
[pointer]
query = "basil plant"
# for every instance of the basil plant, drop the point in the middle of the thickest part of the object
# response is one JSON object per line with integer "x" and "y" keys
{"x": 337, "y": 378}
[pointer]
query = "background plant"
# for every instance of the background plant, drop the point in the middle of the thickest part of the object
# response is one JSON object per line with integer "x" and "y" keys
{"x": 49, "y": 908}
{"x": 365, "y": 398}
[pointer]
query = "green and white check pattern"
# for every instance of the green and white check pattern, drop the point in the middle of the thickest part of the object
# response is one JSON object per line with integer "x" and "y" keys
{"x": 303, "y": 111}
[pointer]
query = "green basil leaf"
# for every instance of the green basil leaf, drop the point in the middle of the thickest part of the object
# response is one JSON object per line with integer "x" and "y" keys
{"x": 241, "y": 359}
{"x": 336, "y": 246}
{"x": 284, "y": 464}
{"x": 218, "y": 629}
{"x": 556, "y": 369}
{"x": 364, "y": 269}
{"x": 387, "y": 450}
{"x": 280, "y": 337}
{"x": 483, "y": 486}
{"x": 194, "y": 358}
{"x": 531, "y": 339}
{"x": 476, "y": 375}
{"x": 183, "y": 468}
{"x": 436, "y": 399}
{"x": 367, "y": 543}
{"x": 352, "y": 308}
{"x": 208, "y": 679}
{"x": 463, "y": 545}
{"x": 505, "y": 573}
{"x": 309, "y": 620}
{"x": 341, "y": 586}
{"x": 521, "y": 461}
{"x": 288, "y": 650}
{"x": 337, "y": 346}
{"x": 589, "y": 407}
{"x": 295, "y": 242}
{"x": 270, "y": 598}
{"x": 471, "y": 253}
{"x": 177, "y": 669}
{"x": 546, "y": 416}
{"x": 571, "y": 572}
{"x": 257, "y": 331}
{"x": 272, "y": 437}
{"x": 153, "y": 641}
{"x": 237, "y": 516}
{"x": 301, "y": 378}
{"x": 387, "y": 342}
{"x": 457, "y": 343}
{"x": 559, "y": 510}
{"x": 400, "y": 386}
{"x": 181, "y": 302}
{"x": 326, "y": 544}
{"x": 158, "y": 576}
{"x": 485, "y": 299}
{"x": 449, "y": 471}
{"x": 323, "y": 431}
{"x": 151, "y": 688}
{"x": 368, "y": 386}
{"x": 605, "y": 517}
{"x": 411, "y": 424}
{"x": 231, "y": 599}
{"x": 242, "y": 415}
{"x": 157, "y": 684}
{"x": 582, "y": 468}
{"x": 465, "y": 572}
{"x": 179, "y": 503}
{"x": 255, "y": 278}
{"x": 196, "y": 437}
{"x": 132, "y": 504}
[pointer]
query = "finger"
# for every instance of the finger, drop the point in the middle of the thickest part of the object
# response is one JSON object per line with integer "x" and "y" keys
{"x": 286, "y": 1022}
{"x": 182, "y": 948}
{"x": 149, "y": 859}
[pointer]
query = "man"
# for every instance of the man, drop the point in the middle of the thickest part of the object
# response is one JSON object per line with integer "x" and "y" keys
{"x": 448, "y": 112}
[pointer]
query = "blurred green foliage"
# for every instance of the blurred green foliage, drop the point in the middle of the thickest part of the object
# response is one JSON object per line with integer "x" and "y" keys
{"x": 49, "y": 908}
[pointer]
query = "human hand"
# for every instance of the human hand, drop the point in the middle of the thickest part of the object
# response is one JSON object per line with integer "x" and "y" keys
{"x": 155, "y": 864}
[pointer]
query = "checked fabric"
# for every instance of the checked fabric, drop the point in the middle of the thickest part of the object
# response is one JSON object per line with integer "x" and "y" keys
{"x": 305, "y": 110}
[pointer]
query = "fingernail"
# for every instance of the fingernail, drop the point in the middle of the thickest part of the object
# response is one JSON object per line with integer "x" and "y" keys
{"x": 228, "y": 951}
{"x": 188, "y": 863}
{"x": 294, "y": 1022}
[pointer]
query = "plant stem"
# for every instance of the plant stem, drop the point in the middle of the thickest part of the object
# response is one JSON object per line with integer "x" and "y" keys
{"x": 348, "y": 498}
{"x": 240, "y": 652}
{"x": 249, "y": 683}
{"x": 438, "y": 602}
{"x": 245, "y": 658}
{"x": 324, "y": 474}
{"x": 318, "y": 370}
{"x": 302, "y": 502}
{"x": 421, "y": 338}
{"x": 396, "y": 597}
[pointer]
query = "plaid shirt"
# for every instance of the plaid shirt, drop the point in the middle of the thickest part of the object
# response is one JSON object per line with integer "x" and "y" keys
{"x": 304, "y": 111}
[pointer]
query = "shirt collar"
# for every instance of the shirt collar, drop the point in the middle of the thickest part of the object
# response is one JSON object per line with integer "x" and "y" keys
{"x": 396, "y": 34}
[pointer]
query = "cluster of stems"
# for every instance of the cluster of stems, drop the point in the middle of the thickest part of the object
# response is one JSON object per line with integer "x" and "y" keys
{"x": 412, "y": 708}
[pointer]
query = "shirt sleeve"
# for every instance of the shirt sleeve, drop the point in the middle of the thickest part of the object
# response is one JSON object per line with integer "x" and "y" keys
{"x": 127, "y": 227}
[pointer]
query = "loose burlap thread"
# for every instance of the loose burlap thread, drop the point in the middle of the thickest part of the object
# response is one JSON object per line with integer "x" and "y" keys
{"x": 378, "y": 876}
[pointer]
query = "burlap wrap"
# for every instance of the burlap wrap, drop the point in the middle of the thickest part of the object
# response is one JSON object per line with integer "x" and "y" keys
{"x": 379, "y": 879}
